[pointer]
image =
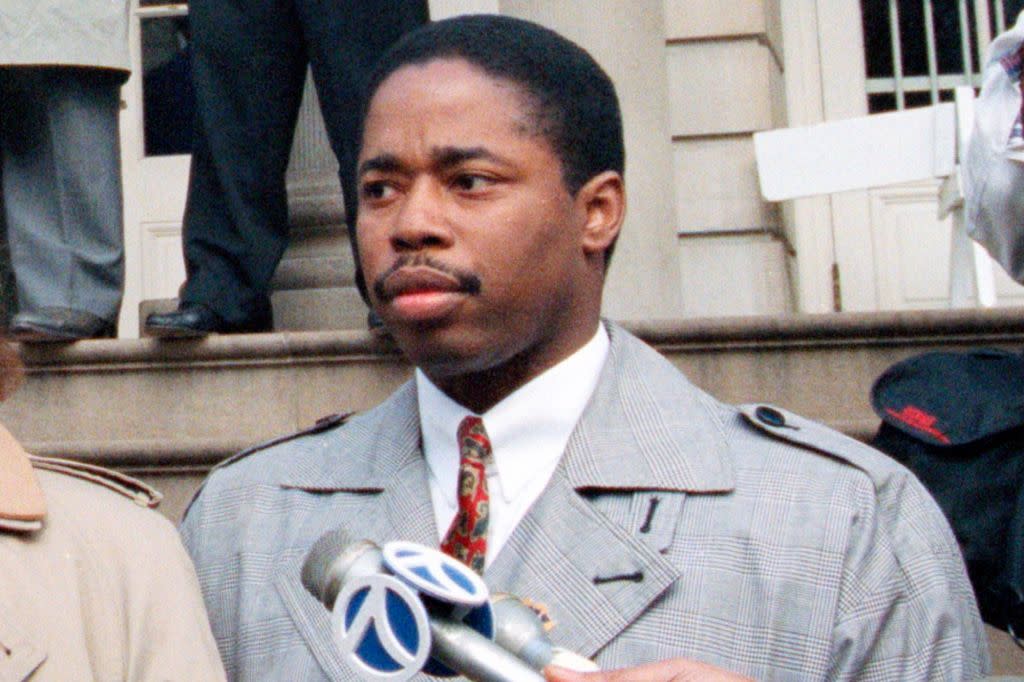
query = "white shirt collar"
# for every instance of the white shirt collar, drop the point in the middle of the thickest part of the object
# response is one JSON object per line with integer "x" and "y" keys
{"x": 528, "y": 430}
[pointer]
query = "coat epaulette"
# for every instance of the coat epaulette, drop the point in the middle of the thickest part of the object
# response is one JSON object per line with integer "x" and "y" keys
{"x": 125, "y": 485}
{"x": 322, "y": 424}
{"x": 801, "y": 431}
{"x": 331, "y": 421}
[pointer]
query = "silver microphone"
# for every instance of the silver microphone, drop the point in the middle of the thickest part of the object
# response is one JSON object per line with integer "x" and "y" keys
{"x": 335, "y": 560}
{"x": 518, "y": 629}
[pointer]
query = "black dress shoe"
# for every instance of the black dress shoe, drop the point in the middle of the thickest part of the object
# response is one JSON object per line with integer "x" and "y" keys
{"x": 59, "y": 325}
{"x": 194, "y": 320}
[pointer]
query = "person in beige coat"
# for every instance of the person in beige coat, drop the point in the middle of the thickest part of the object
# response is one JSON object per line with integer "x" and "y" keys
{"x": 94, "y": 585}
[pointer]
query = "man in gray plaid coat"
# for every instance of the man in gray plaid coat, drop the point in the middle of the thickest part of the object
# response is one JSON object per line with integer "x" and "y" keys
{"x": 650, "y": 523}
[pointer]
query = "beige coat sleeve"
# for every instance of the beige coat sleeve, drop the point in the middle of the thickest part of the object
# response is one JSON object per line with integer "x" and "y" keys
{"x": 103, "y": 591}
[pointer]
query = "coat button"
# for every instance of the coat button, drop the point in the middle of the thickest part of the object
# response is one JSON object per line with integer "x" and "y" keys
{"x": 770, "y": 416}
{"x": 329, "y": 422}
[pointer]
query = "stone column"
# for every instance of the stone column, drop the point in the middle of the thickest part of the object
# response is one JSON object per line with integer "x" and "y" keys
{"x": 628, "y": 40}
{"x": 314, "y": 286}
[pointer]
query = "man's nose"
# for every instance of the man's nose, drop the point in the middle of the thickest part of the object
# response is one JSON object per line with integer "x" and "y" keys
{"x": 421, "y": 222}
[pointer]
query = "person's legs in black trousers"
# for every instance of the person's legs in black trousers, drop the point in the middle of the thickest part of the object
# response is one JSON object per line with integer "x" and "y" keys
{"x": 248, "y": 68}
{"x": 249, "y": 63}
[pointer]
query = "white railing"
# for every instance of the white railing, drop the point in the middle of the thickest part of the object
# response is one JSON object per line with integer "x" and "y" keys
{"x": 974, "y": 41}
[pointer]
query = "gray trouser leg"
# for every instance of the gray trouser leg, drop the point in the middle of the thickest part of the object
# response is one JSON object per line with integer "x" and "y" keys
{"x": 61, "y": 183}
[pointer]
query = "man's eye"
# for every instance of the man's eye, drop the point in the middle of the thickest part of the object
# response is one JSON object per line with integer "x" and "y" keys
{"x": 471, "y": 183}
{"x": 376, "y": 190}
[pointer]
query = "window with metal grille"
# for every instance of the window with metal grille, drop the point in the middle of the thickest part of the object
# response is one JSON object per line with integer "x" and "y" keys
{"x": 917, "y": 51}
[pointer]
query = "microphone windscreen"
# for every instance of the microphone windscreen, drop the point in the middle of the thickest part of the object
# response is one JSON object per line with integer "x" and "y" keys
{"x": 316, "y": 569}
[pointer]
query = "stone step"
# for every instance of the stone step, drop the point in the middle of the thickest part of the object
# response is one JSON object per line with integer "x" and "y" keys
{"x": 169, "y": 410}
{"x": 315, "y": 259}
{"x": 314, "y": 285}
{"x": 314, "y": 309}
{"x": 334, "y": 308}
{"x": 313, "y": 288}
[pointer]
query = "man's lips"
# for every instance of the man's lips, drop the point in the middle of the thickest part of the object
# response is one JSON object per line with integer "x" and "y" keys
{"x": 422, "y": 290}
{"x": 409, "y": 280}
{"x": 420, "y": 294}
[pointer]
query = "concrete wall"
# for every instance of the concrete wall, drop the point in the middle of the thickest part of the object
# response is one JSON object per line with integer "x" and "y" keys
{"x": 724, "y": 72}
{"x": 626, "y": 38}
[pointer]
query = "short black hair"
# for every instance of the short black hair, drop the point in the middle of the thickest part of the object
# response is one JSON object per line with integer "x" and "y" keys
{"x": 576, "y": 108}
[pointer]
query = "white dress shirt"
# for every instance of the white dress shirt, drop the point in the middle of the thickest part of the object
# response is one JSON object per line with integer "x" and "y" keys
{"x": 528, "y": 431}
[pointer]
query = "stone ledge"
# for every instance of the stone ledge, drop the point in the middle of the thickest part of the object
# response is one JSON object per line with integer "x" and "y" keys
{"x": 190, "y": 403}
{"x": 169, "y": 410}
{"x": 313, "y": 273}
{"x": 947, "y": 327}
{"x": 278, "y": 347}
{"x": 995, "y": 325}
{"x": 154, "y": 456}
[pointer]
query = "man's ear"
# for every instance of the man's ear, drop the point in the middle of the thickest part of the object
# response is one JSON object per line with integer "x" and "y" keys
{"x": 603, "y": 202}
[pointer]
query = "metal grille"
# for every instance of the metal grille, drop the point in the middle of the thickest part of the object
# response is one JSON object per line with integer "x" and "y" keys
{"x": 918, "y": 51}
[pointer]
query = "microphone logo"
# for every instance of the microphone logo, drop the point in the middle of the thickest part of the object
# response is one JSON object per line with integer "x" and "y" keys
{"x": 446, "y": 579}
{"x": 434, "y": 573}
{"x": 381, "y": 628}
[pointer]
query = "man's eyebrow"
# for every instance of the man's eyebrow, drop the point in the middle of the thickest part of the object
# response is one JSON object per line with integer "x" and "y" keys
{"x": 447, "y": 157}
{"x": 385, "y": 163}
{"x": 441, "y": 157}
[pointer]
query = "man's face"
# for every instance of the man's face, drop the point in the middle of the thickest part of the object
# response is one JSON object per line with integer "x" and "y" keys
{"x": 469, "y": 241}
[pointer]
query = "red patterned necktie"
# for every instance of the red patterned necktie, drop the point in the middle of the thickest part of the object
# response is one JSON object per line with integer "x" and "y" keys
{"x": 466, "y": 539}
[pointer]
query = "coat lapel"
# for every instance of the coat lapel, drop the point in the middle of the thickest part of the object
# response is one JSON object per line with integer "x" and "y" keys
{"x": 580, "y": 554}
{"x": 381, "y": 456}
{"x": 404, "y": 510}
{"x": 22, "y": 504}
{"x": 588, "y": 575}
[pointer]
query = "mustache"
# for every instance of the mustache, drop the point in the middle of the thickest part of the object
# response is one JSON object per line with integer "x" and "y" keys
{"x": 468, "y": 282}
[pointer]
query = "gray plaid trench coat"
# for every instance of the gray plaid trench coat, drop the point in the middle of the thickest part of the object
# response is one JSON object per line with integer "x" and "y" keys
{"x": 784, "y": 551}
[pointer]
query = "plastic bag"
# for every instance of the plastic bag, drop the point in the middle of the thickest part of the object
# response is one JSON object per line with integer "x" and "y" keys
{"x": 994, "y": 165}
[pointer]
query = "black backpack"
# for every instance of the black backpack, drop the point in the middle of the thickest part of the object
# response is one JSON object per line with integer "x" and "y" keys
{"x": 957, "y": 421}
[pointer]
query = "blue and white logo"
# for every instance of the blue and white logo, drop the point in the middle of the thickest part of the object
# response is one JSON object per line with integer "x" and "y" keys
{"x": 435, "y": 574}
{"x": 381, "y": 629}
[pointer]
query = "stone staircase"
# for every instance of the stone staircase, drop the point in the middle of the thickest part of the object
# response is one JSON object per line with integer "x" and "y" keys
{"x": 314, "y": 285}
{"x": 169, "y": 410}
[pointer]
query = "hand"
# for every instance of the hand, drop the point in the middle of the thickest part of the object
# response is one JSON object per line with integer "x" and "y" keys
{"x": 672, "y": 670}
